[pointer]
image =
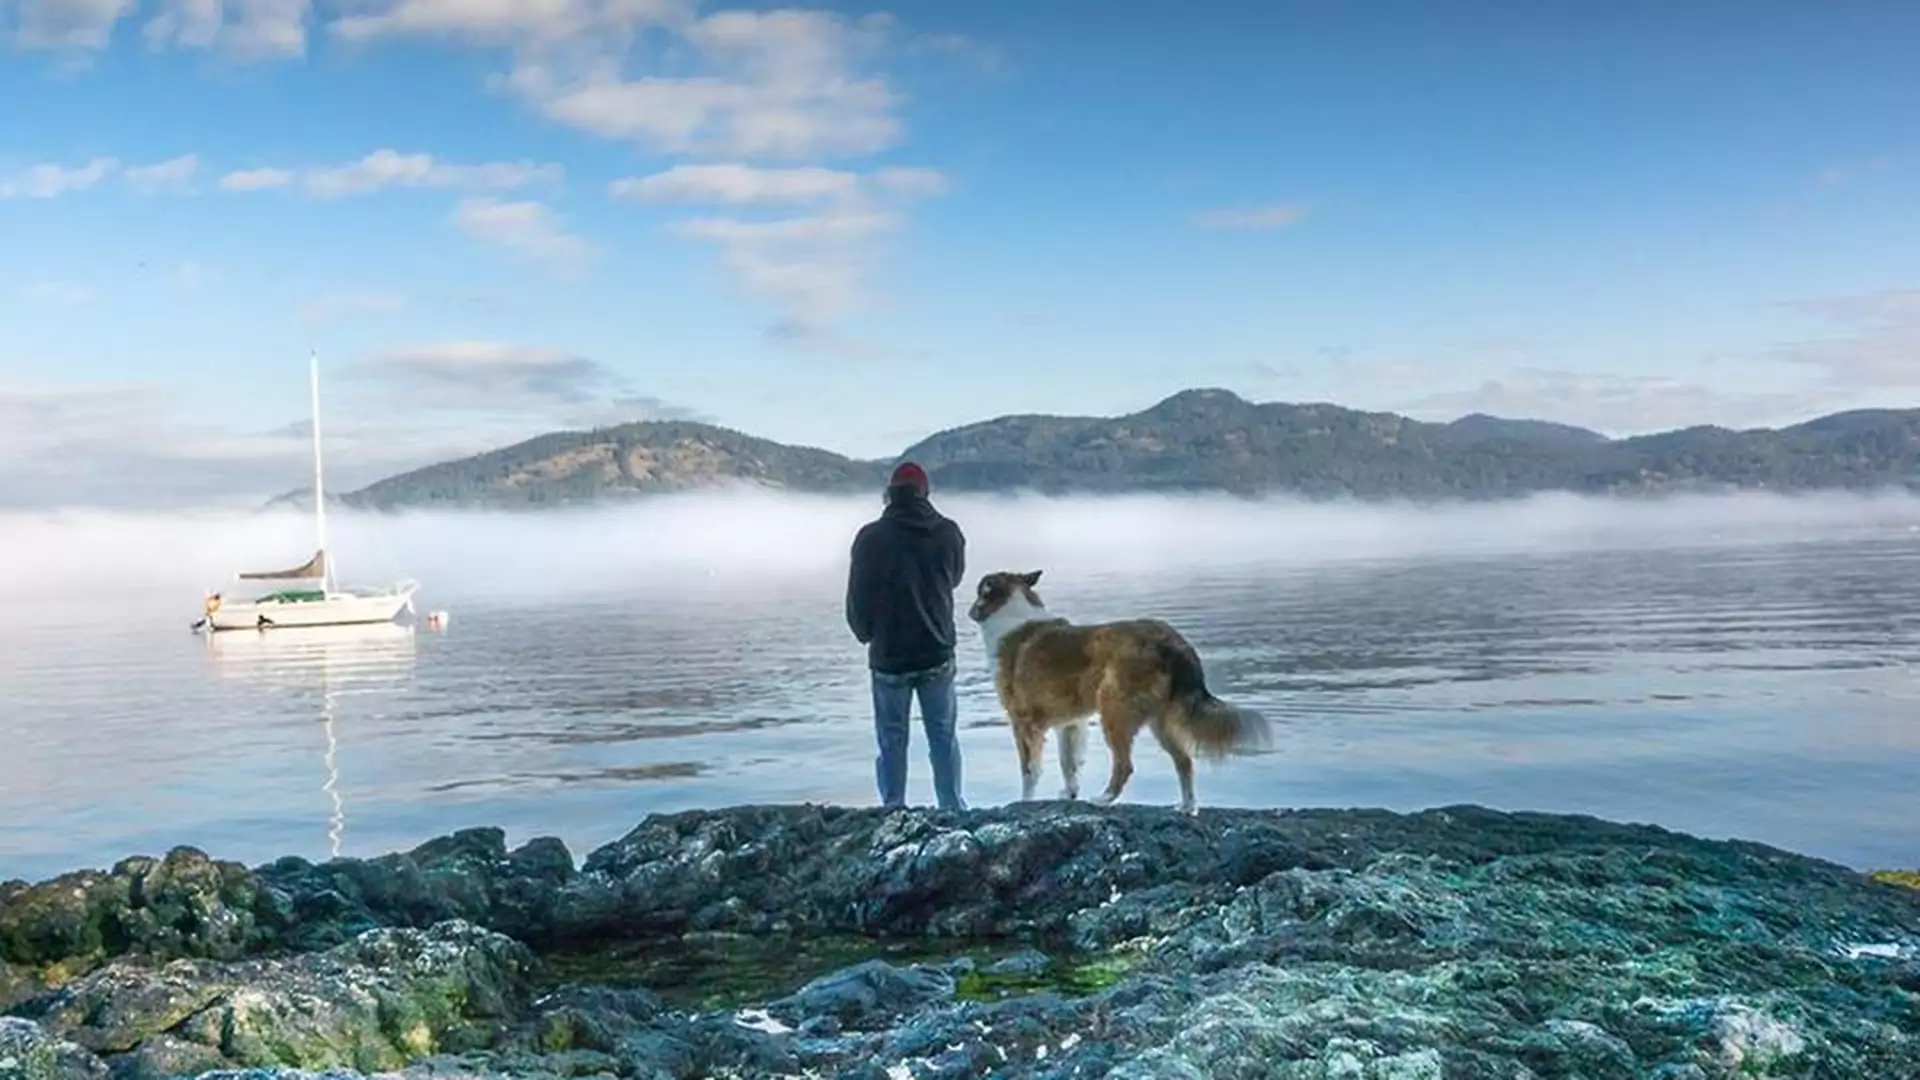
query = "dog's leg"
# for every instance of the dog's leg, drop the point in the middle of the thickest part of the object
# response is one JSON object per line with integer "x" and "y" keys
{"x": 1182, "y": 766}
{"x": 1118, "y": 724}
{"x": 1073, "y": 750}
{"x": 1030, "y": 736}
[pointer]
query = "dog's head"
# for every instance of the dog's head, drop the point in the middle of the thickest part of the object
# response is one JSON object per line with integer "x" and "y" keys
{"x": 1001, "y": 588}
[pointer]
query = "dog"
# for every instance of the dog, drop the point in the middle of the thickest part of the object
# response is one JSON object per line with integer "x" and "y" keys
{"x": 1052, "y": 675}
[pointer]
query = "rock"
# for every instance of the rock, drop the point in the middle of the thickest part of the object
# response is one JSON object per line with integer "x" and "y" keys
{"x": 1040, "y": 940}
{"x": 592, "y": 1018}
{"x": 28, "y": 1053}
{"x": 469, "y": 875}
{"x": 864, "y": 996}
{"x": 379, "y": 1001}
{"x": 1029, "y": 962}
{"x": 160, "y": 1057}
{"x": 20, "y": 983}
{"x": 279, "y": 1074}
{"x": 187, "y": 905}
{"x": 1579, "y": 1048}
{"x": 184, "y": 904}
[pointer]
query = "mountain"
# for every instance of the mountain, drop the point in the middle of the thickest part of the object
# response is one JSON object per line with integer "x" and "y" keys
{"x": 631, "y": 459}
{"x": 1478, "y": 426}
{"x": 1196, "y": 440}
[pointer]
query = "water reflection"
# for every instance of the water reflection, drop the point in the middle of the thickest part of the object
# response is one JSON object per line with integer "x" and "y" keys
{"x": 337, "y": 822}
{"x": 319, "y": 663}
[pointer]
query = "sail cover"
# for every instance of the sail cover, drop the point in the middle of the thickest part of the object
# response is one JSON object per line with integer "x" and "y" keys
{"x": 315, "y": 567}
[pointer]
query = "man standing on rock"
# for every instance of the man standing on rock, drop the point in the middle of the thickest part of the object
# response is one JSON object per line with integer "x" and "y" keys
{"x": 900, "y": 588}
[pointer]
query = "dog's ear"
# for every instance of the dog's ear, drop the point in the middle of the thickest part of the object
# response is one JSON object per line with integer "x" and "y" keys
{"x": 1031, "y": 577}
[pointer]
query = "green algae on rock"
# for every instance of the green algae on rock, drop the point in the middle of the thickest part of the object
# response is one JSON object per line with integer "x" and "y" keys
{"x": 705, "y": 972}
{"x": 184, "y": 904}
{"x": 384, "y": 999}
{"x": 1034, "y": 972}
{"x": 708, "y": 972}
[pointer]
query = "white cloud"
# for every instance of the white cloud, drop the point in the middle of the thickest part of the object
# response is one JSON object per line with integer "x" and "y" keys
{"x": 627, "y": 409}
{"x": 811, "y": 291}
{"x": 50, "y": 181}
{"x": 63, "y": 24}
{"x": 537, "y": 388}
{"x": 127, "y": 445}
{"x": 504, "y": 22}
{"x": 1249, "y": 218}
{"x": 390, "y": 168}
{"x": 171, "y": 175}
{"x": 734, "y": 184}
{"x": 838, "y": 226}
{"x": 256, "y": 179}
{"x": 775, "y": 84}
{"x": 387, "y": 168}
{"x": 812, "y": 270}
{"x": 812, "y": 267}
{"x": 713, "y": 116}
{"x": 530, "y": 229}
{"x": 1616, "y": 404}
{"x": 737, "y": 185}
{"x": 243, "y": 29}
{"x": 782, "y": 84}
{"x": 488, "y": 375}
{"x": 1881, "y": 348}
{"x": 764, "y": 88}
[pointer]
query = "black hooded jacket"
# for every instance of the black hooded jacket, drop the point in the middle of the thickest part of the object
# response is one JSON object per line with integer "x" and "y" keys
{"x": 906, "y": 566}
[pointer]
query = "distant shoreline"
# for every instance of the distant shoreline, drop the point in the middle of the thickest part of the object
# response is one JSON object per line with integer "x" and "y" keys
{"x": 1195, "y": 441}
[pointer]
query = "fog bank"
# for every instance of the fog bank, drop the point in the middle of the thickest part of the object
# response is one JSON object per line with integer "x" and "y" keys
{"x": 674, "y": 541}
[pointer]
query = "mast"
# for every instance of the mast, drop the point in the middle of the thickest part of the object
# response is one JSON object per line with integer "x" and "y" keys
{"x": 319, "y": 484}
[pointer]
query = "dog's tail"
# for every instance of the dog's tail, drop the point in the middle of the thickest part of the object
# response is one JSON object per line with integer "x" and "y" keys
{"x": 1210, "y": 727}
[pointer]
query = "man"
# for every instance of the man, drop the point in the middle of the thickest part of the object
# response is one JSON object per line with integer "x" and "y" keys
{"x": 900, "y": 588}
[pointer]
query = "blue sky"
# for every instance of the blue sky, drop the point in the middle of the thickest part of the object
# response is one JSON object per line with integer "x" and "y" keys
{"x": 852, "y": 226}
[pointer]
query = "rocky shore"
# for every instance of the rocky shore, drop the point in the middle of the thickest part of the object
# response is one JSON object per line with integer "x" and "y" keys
{"x": 1043, "y": 940}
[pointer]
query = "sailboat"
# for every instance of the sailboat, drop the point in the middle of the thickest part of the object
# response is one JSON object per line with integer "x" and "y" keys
{"x": 319, "y": 600}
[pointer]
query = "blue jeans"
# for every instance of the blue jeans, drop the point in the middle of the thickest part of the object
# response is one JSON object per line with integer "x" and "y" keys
{"x": 892, "y": 699}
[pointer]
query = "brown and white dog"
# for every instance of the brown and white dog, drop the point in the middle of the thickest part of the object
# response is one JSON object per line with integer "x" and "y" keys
{"x": 1052, "y": 675}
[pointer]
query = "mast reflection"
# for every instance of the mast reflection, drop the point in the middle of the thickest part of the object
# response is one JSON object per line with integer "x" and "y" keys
{"x": 318, "y": 668}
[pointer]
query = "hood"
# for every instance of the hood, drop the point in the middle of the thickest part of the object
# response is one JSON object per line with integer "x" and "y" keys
{"x": 912, "y": 511}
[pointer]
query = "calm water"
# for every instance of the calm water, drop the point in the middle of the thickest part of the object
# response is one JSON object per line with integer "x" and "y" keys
{"x": 1762, "y": 691}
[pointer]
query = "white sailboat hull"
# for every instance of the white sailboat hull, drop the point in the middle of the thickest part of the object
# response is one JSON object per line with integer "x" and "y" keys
{"x": 335, "y": 609}
{"x": 316, "y": 602}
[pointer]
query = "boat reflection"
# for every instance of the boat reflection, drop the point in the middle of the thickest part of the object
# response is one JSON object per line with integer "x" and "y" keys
{"x": 315, "y": 668}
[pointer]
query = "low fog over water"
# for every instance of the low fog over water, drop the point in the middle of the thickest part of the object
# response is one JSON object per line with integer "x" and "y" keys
{"x": 1734, "y": 665}
{"x": 658, "y": 542}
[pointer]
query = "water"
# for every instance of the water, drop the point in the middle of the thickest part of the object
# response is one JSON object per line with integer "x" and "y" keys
{"x": 1752, "y": 686}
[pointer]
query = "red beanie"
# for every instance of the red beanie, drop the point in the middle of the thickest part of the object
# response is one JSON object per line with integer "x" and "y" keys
{"x": 909, "y": 474}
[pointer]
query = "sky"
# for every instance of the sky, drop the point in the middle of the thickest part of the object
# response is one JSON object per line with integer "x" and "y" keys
{"x": 853, "y": 226}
